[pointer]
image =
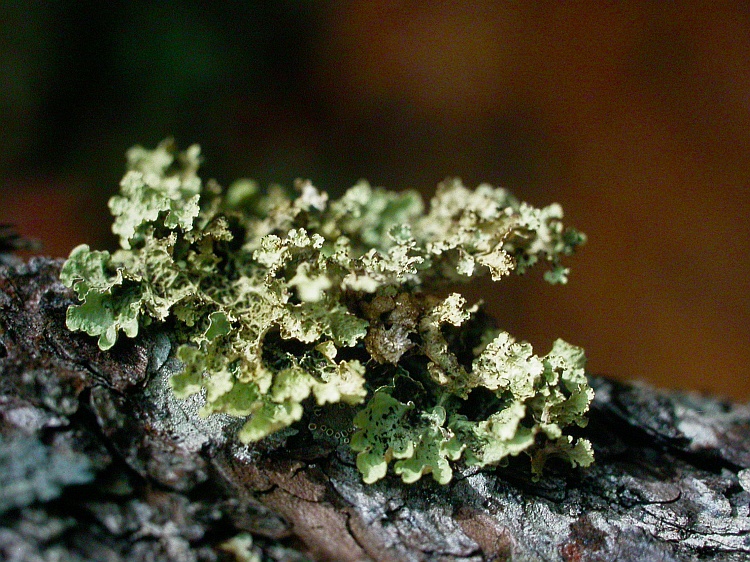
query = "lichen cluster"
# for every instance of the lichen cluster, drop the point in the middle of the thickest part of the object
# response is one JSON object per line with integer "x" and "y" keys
{"x": 284, "y": 302}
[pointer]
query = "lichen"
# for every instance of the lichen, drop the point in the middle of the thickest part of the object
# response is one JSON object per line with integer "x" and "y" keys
{"x": 32, "y": 471}
{"x": 283, "y": 303}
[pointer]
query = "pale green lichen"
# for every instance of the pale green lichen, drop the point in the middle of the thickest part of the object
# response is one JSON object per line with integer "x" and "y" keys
{"x": 285, "y": 303}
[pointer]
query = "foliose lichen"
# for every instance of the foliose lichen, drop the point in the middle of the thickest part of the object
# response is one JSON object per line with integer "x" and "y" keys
{"x": 284, "y": 302}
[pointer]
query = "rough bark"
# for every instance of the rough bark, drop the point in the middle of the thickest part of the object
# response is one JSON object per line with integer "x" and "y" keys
{"x": 99, "y": 462}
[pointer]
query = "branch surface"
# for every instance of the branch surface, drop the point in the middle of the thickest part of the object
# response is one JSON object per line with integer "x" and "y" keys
{"x": 98, "y": 461}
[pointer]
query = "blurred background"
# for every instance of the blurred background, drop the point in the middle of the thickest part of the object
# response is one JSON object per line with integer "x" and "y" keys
{"x": 634, "y": 116}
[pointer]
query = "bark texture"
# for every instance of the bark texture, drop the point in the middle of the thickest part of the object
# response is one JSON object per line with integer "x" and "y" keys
{"x": 98, "y": 461}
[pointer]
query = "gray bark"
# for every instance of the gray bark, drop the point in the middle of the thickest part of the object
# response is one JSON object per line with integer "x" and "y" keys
{"x": 98, "y": 461}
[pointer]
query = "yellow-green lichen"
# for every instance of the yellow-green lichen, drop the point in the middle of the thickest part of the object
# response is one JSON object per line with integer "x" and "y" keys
{"x": 283, "y": 302}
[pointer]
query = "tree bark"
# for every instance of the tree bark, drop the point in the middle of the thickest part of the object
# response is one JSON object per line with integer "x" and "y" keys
{"x": 98, "y": 461}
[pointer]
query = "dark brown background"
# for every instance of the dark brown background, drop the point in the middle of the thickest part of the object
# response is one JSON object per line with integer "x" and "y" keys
{"x": 635, "y": 117}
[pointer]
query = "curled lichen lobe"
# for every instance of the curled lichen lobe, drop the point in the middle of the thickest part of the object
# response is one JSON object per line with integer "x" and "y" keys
{"x": 285, "y": 303}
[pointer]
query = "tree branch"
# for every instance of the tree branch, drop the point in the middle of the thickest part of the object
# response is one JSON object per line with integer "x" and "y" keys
{"x": 99, "y": 461}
